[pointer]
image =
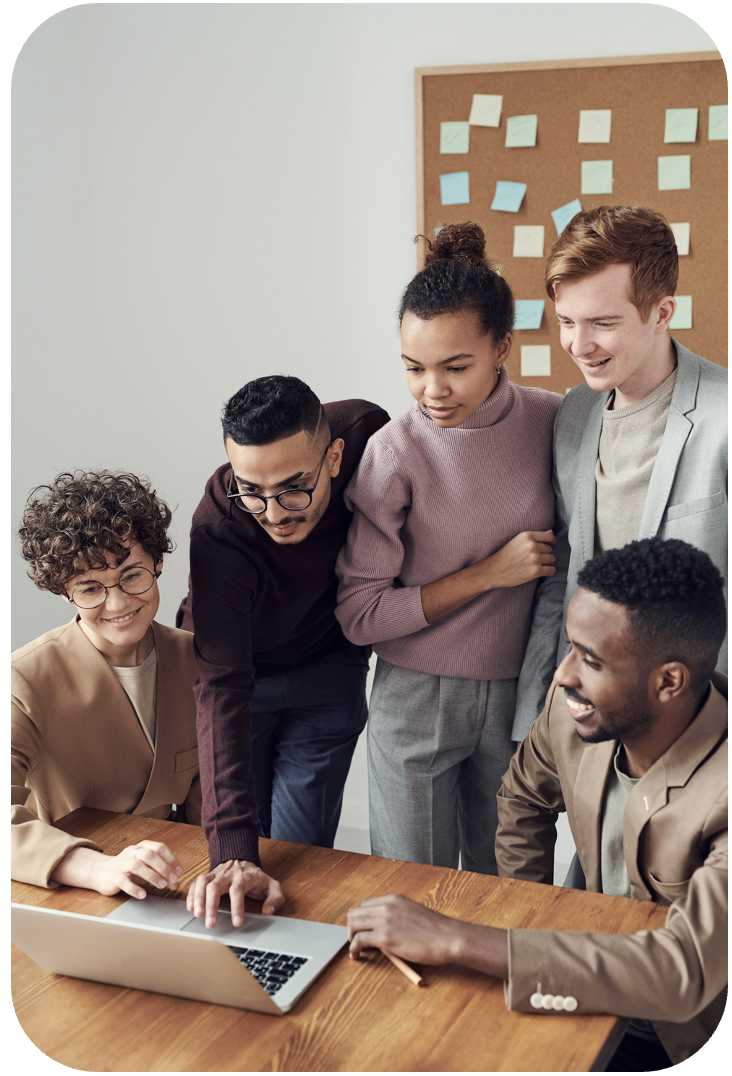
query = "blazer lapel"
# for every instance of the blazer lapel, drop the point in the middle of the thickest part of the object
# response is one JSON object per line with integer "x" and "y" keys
{"x": 673, "y": 769}
{"x": 678, "y": 428}
{"x": 589, "y": 791}
{"x": 164, "y": 715}
{"x": 586, "y": 486}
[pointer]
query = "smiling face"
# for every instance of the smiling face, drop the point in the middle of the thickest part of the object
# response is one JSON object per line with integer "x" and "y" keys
{"x": 602, "y": 330}
{"x": 607, "y": 692}
{"x": 451, "y": 367}
{"x": 123, "y": 620}
{"x": 290, "y": 463}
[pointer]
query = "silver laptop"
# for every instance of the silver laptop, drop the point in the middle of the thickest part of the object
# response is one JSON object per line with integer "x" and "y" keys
{"x": 156, "y": 944}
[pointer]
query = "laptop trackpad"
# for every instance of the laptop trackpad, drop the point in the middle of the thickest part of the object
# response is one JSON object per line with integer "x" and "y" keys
{"x": 153, "y": 912}
{"x": 255, "y": 926}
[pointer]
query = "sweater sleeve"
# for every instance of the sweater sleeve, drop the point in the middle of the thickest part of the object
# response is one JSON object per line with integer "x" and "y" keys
{"x": 372, "y": 605}
{"x": 221, "y": 592}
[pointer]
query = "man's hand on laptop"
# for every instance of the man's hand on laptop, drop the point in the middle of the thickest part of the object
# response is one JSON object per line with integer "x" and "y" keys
{"x": 238, "y": 878}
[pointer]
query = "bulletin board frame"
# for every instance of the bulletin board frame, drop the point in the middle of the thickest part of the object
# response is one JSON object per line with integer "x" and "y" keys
{"x": 638, "y": 96}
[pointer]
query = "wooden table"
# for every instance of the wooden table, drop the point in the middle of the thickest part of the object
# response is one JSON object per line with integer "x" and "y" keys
{"x": 359, "y": 1015}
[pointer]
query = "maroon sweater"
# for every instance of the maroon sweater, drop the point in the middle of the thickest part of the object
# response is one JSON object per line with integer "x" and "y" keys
{"x": 255, "y": 605}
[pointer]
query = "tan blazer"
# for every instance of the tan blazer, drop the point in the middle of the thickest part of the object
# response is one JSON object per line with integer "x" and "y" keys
{"x": 675, "y": 842}
{"x": 77, "y": 742}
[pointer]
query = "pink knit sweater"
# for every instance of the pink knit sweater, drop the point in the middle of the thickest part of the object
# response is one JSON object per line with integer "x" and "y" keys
{"x": 429, "y": 501}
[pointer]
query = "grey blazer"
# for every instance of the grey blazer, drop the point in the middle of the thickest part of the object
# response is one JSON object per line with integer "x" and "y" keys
{"x": 687, "y": 498}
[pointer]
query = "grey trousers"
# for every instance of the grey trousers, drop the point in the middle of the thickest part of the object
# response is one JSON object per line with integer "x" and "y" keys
{"x": 438, "y": 747}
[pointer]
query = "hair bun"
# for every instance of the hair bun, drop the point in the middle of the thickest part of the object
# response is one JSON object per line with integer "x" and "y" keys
{"x": 459, "y": 242}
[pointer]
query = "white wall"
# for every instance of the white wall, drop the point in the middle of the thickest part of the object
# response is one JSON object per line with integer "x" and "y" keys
{"x": 204, "y": 193}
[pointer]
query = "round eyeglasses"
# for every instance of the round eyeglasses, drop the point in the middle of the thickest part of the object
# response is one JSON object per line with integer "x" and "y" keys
{"x": 91, "y": 594}
{"x": 294, "y": 500}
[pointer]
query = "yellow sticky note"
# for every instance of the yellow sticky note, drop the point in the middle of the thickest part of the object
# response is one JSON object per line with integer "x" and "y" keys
{"x": 528, "y": 241}
{"x": 594, "y": 125}
{"x": 681, "y": 235}
{"x": 536, "y": 360}
{"x": 486, "y": 110}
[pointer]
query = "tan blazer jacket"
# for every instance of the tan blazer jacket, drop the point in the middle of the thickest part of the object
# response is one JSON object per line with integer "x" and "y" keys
{"x": 675, "y": 842}
{"x": 77, "y": 742}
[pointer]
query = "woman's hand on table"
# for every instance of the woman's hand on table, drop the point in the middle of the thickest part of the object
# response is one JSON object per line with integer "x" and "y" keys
{"x": 239, "y": 879}
{"x": 147, "y": 861}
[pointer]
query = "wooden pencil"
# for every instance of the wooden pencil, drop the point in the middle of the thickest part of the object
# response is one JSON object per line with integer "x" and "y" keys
{"x": 405, "y": 969}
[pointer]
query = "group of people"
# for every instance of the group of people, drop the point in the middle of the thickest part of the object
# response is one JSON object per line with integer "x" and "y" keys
{"x": 542, "y": 580}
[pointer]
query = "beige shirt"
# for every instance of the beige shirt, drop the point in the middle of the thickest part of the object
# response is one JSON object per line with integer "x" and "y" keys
{"x": 629, "y": 443}
{"x": 613, "y": 868}
{"x": 139, "y": 683}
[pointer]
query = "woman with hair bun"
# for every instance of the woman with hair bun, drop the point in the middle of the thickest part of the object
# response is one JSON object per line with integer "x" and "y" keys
{"x": 453, "y": 509}
{"x": 102, "y": 709}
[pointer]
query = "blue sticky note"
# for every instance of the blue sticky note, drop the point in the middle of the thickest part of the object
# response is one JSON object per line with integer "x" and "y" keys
{"x": 508, "y": 196}
{"x": 455, "y": 188}
{"x": 529, "y": 313}
{"x": 564, "y": 214}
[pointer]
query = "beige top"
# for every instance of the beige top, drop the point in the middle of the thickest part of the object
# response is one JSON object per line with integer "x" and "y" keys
{"x": 140, "y": 683}
{"x": 629, "y": 443}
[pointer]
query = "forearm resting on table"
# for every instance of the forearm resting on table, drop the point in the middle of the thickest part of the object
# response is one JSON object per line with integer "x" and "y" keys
{"x": 483, "y": 949}
{"x": 78, "y": 868}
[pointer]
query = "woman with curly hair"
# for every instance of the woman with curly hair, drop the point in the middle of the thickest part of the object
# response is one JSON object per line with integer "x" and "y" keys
{"x": 453, "y": 509}
{"x": 103, "y": 712}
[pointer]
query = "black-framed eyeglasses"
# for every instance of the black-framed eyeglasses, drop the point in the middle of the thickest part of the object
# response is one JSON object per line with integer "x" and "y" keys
{"x": 92, "y": 594}
{"x": 294, "y": 500}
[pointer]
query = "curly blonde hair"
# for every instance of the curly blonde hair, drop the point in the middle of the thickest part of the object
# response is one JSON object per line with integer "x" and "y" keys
{"x": 88, "y": 520}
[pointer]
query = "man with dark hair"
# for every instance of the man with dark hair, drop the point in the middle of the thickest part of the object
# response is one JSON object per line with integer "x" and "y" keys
{"x": 634, "y": 749}
{"x": 640, "y": 448}
{"x": 280, "y": 691}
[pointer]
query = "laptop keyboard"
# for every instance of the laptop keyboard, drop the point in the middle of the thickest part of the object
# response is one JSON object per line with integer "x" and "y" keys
{"x": 271, "y": 970}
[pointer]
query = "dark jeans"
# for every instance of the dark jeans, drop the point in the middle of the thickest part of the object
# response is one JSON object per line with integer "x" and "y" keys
{"x": 636, "y": 1055}
{"x": 305, "y": 724}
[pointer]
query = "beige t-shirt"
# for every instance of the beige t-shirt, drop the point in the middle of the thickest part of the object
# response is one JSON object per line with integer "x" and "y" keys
{"x": 140, "y": 685}
{"x": 629, "y": 443}
{"x": 613, "y": 869}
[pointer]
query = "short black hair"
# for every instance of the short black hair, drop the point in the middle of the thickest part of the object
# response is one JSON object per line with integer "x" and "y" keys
{"x": 458, "y": 276}
{"x": 674, "y": 596}
{"x": 270, "y": 408}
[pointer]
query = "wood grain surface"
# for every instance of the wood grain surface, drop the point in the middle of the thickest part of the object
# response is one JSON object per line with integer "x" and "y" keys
{"x": 638, "y": 90}
{"x": 358, "y": 1015}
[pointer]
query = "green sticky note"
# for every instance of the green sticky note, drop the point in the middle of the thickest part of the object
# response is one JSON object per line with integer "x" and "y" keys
{"x": 521, "y": 130}
{"x": 682, "y": 317}
{"x": 455, "y": 137}
{"x": 717, "y": 123}
{"x": 674, "y": 173}
{"x": 681, "y": 124}
{"x": 597, "y": 177}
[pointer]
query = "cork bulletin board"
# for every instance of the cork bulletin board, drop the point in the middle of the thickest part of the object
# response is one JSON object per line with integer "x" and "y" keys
{"x": 637, "y": 90}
